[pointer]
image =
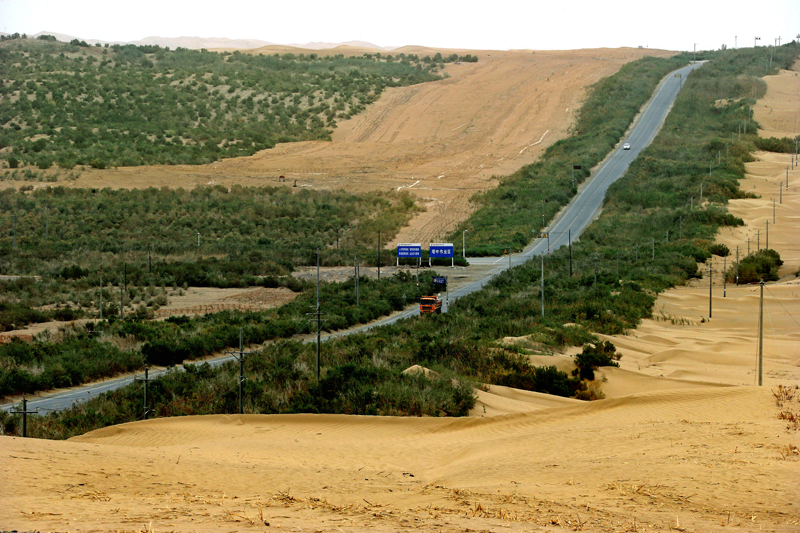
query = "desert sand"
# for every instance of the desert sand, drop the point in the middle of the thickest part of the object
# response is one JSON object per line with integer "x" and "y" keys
{"x": 708, "y": 459}
{"x": 683, "y": 442}
{"x": 443, "y": 141}
{"x": 682, "y": 341}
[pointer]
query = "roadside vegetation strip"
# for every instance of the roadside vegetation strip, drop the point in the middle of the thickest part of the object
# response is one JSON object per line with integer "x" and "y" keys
{"x": 654, "y": 196}
{"x": 80, "y": 354}
{"x": 157, "y": 242}
{"x": 69, "y": 104}
{"x": 261, "y": 230}
{"x": 509, "y": 213}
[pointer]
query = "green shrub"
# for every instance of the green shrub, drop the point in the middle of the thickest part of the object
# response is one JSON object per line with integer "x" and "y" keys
{"x": 593, "y": 356}
{"x": 760, "y": 266}
{"x": 783, "y": 145}
{"x": 719, "y": 249}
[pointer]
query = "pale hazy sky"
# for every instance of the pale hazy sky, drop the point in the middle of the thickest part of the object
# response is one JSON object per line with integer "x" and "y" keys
{"x": 497, "y": 25}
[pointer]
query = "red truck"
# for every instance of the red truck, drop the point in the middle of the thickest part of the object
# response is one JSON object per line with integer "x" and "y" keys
{"x": 429, "y": 305}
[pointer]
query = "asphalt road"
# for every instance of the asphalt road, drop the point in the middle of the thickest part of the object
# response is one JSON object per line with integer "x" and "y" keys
{"x": 572, "y": 220}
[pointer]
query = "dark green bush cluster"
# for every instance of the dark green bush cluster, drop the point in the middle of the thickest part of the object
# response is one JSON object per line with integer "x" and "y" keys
{"x": 759, "y": 266}
{"x": 593, "y": 356}
{"x": 514, "y": 370}
{"x": 16, "y": 316}
{"x": 72, "y": 104}
{"x": 784, "y": 145}
{"x": 719, "y": 249}
{"x": 262, "y": 231}
{"x": 27, "y": 367}
{"x": 369, "y": 390}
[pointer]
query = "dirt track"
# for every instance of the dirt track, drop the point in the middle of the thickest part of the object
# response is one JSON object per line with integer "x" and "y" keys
{"x": 443, "y": 141}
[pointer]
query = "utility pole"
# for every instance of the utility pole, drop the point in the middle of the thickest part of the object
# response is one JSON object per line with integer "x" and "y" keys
{"x": 724, "y": 276}
{"x": 737, "y": 266}
{"x": 24, "y": 414}
{"x": 710, "y": 284}
{"x": 780, "y": 189}
{"x": 356, "y": 276}
{"x": 318, "y": 313}
{"x": 758, "y": 240}
{"x": 542, "y": 285}
{"x": 319, "y": 322}
{"x": 761, "y": 333}
{"x": 569, "y": 240}
{"x": 542, "y": 214}
{"x": 146, "y": 379}
{"x": 240, "y": 358}
{"x": 654, "y": 249}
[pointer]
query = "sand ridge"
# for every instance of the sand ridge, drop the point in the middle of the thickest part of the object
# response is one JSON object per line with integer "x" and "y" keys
{"x": 665, "y": 459}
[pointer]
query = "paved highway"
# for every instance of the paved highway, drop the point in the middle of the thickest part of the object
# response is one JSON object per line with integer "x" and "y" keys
{"x": 574, "y": 218}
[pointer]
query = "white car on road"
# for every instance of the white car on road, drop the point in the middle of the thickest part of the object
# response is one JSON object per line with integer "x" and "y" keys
{"x": 626, "y": 146}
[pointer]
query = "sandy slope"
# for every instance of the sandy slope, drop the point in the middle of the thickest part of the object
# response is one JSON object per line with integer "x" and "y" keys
{"x": 443, "y": 141}
{"x": 703, "y": 460}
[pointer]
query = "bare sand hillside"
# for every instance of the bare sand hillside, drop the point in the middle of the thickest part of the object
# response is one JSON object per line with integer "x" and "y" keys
{"x": 443, "y": 141}
{"x": 711, "y": 459}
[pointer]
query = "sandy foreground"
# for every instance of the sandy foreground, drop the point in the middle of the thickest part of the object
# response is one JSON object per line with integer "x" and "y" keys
{"x": 683, "y": 442}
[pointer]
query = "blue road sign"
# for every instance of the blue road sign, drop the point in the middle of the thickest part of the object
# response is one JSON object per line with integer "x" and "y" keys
{"x": 441, "y": 249}
{"x": 409, "y": 249}
{"x": 439, "y": 280}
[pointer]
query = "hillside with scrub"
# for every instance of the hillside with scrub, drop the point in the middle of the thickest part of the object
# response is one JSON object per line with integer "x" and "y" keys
{"x": 69, "y": 105}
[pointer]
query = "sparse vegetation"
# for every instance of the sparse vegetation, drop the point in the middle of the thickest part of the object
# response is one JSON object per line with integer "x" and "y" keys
{"x": 74, "y": 105}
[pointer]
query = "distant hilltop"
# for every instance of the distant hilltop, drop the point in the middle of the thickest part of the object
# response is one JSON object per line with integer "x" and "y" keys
{"x": 196, "y": 43}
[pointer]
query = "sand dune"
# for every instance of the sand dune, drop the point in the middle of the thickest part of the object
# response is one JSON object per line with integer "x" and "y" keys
{"x": 695, "y": 459}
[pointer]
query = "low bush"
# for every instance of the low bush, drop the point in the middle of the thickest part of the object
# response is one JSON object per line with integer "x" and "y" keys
{"x": 593, "y": 356}
{"x": 760, "y": 266}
